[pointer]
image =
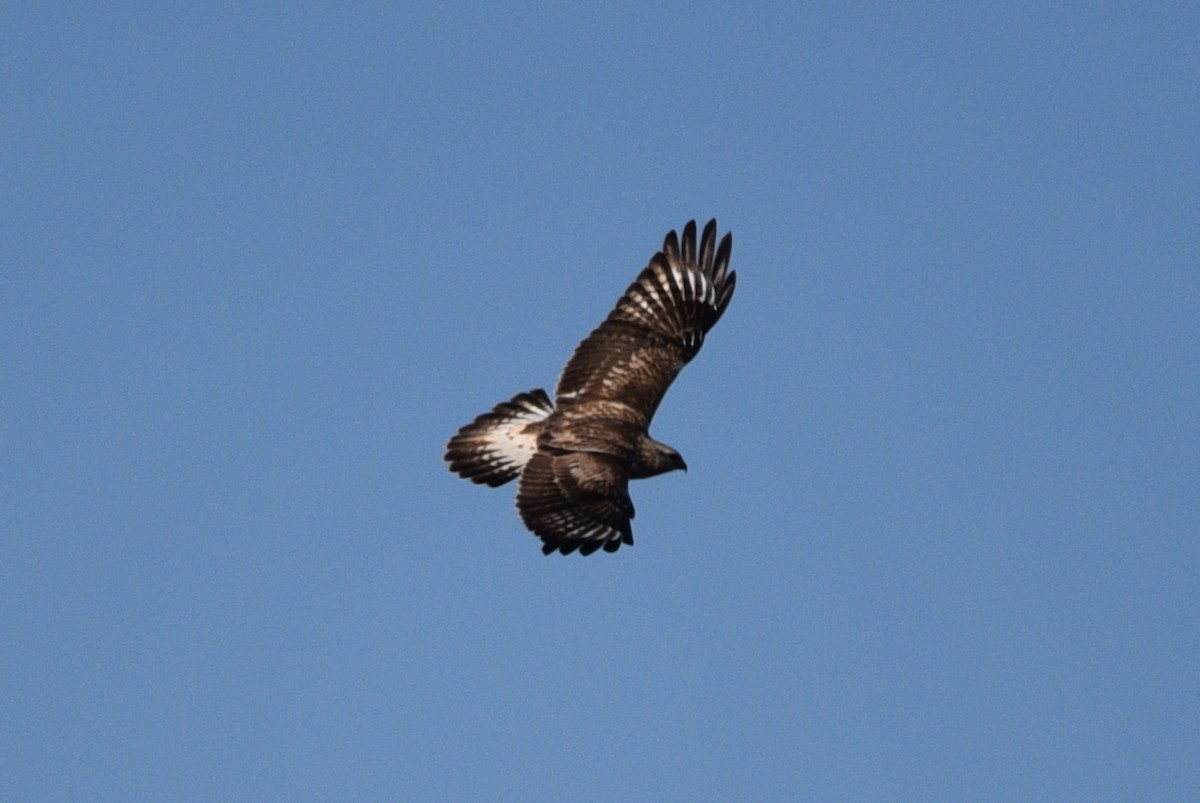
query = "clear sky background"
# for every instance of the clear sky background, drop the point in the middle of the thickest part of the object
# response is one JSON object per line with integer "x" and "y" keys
{"x": 939, "y": 540}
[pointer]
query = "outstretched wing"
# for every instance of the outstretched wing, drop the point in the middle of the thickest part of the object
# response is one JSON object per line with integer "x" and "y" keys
{"x": 657, "y": 326}
{"x": 576, "y": 500}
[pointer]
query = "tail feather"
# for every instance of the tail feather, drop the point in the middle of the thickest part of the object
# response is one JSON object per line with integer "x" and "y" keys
{"x": 493, "y": 448}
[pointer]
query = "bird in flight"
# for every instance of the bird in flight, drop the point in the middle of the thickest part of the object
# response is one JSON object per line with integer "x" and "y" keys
{"x": 575, "y": 456}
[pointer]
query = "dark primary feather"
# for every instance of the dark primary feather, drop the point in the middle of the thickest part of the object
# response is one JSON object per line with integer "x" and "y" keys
{"x": 657, "y": 326}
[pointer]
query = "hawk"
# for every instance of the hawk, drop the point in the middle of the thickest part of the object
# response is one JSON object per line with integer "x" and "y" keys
{"x": 576, "y": 457}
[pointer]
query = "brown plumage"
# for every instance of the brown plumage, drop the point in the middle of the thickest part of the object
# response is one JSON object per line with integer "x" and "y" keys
{"x": 575, "y": 458}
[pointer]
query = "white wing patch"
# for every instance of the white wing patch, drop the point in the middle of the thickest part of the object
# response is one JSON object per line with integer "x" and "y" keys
{"x": 513, "y": 443}
{"x": 494, "y": 447}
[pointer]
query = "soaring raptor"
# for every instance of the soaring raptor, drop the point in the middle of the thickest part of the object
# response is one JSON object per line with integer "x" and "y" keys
{"x": 576, "y": 458}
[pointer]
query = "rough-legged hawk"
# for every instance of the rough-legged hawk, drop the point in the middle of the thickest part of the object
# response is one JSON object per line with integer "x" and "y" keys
{"x": 575, "y": 459}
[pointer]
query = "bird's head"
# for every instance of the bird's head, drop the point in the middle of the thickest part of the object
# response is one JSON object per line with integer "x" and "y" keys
{"x": 672, "y": 459}
{"x": 655, "y": 458}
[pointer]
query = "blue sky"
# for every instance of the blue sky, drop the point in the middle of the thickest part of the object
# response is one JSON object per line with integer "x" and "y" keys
{"x": 939, "y": 536}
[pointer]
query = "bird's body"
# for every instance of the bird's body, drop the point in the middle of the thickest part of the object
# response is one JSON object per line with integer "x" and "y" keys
{"x": 575, "y": 456}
